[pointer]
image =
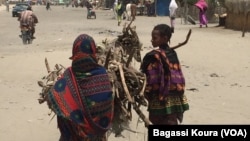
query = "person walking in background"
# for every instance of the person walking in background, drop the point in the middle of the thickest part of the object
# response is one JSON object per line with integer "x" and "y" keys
{"x": 114, "y": 9}
{"x": 28, "y": 19}
{"x": 202, "y": 6}
{"x": 133, "y": 8}
{"x": 172, "y": 13}
{"x": 29, "y": 2}
{"x": 153, "y": 8}
{"x": 131, "y": 11}
{"x": 82, "y": 97}
{"x": 148, "y": 6}
{"x": 119, "y": 11}
{"x": 7, "y": 5}
{"x": 48, "y": 5}
{"x": 89, "y": 7}
{"x": 165, "y": 81}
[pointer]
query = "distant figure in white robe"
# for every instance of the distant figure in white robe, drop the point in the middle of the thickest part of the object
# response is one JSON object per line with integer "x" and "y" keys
{"x": 131, "y": 11}
{"x": 172, "y": 10}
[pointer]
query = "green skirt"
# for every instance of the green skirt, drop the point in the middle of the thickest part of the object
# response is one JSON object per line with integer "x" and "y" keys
{"x": 173, "y": 104}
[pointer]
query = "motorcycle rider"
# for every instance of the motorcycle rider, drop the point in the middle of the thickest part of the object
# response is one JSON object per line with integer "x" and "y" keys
{"x": 48, "y": 5}
{"x": 89, "y": 7}
{"x": 28, "y": 19}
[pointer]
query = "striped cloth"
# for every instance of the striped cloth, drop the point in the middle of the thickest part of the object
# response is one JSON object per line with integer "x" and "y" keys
{"x": 85, "y": 108}
{"x": 27, "y": 18}
{"x": 82, "y": 98}
{"x": 165, "y": 82}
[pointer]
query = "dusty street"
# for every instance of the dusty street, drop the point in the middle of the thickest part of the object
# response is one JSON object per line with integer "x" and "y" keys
{"x": 216, "y": 64}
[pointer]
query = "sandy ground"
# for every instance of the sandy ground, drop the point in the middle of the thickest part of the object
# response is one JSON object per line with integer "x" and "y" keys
{"x": 216, "y": 62}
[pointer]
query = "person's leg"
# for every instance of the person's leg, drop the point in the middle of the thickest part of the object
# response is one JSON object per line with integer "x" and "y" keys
{"x": 200, "y": 18}
{"x": 171, "y": 119}
{"x": 172, "y": 23}
{"x": 203, "y": 18}
{"x": 133, "y": 11}
{"x": 148, "y": 10}
{"x": 119, "y": 18}
{"x": 33, "y": 32}
{"x": 153, "y": 10}
{"x": 115, "y": 11}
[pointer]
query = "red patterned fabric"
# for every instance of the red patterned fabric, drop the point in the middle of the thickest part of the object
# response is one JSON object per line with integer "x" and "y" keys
{"x": 82, "y": 98}
{"x": 89, "y": 110}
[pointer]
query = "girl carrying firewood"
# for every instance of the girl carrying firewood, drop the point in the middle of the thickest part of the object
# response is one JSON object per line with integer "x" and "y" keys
{"x": 165, "y": 81}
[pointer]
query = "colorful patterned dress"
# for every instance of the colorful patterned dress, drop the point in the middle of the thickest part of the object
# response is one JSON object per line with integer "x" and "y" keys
{"x": 82, "y": 98}
{"x": 165, "y": 86}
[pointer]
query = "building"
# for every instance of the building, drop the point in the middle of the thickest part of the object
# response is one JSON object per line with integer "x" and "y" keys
{"x": 162, "y": 7}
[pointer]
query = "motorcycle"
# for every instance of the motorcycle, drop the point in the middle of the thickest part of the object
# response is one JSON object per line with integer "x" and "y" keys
{"x": 26, "y": 35}
{"x": 91, "y": 13}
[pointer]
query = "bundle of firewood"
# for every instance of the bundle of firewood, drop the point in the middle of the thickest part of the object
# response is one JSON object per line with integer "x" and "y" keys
{"x": 121, "y": 47}
{"x": 128, "y": 83}
{"x": 128, "y": 88}
{"x": 48, "y": 81}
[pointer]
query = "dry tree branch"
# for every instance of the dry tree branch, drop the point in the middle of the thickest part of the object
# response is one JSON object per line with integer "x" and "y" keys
{"x": 124, "y": 84}
{"x": 183, "y": 43}
{"x": 47, "y": 65}
{"x": 143, "y": 87}
{"x": 48, "y": 81}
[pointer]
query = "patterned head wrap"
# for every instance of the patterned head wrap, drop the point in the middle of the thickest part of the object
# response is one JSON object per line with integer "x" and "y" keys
{"x": 82, "y": 98}
{"x": 83, "y": 46}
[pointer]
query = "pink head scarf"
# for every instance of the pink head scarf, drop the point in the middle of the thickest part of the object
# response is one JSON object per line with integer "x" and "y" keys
{"x": 201, "y": 4}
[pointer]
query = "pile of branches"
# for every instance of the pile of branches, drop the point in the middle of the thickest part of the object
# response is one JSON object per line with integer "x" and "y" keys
{"x": 126, "y": 44}
{"x": 128, "y": 83}
{"x": 49, "y": 81}
{"x": 128, "y": 89}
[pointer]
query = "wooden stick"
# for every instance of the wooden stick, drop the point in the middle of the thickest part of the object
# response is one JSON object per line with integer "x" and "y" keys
{"x": 143, "y": 87}
{"x": 124, "y": 84}
{"x": 62, "y": 66}
{"x": 141, "y": 115}
{"x": 130, "y": 56}
{"x": 107, "y": 59}
{"x": 183, "y": 43}
{"x": 127, "y": 27}
{"x": 47, "y": 65}
{"x": 135, "y": 107}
